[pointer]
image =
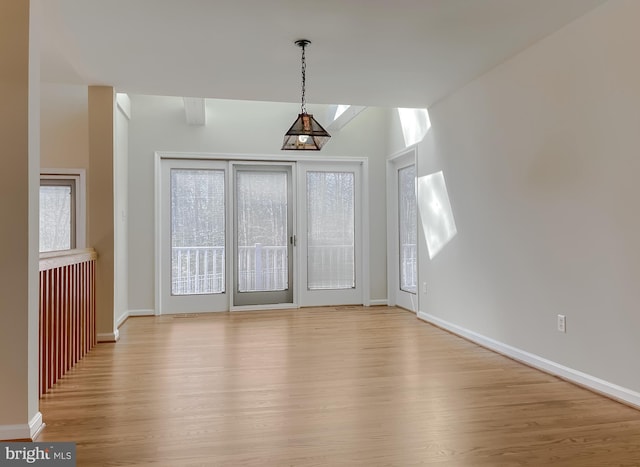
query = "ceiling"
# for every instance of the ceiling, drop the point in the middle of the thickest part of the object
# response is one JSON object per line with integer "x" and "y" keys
{"x": 394, "y": 53}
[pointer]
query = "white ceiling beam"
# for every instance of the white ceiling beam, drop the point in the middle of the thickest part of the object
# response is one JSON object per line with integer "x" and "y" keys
{"x": 345, "y": 117}
{"x": 195, "y": 111}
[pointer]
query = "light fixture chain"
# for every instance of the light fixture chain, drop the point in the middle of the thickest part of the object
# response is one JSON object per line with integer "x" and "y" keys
{"x": 304, "y": 78}
{"x": 306, "y": 134}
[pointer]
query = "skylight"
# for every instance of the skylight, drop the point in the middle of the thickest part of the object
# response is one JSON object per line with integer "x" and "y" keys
{"x": 340, "y": 109}
{"x": 340, "y": 114}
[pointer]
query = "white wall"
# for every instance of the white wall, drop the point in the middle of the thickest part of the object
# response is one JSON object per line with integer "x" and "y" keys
{"x": 121, "y": 195}
{"x": 64, "y": 134}
{"x": 541, "y": 160}
{"x": 65, "y": 144}
{"x": 236, "y": 127}
{"x": 64, "y": 126}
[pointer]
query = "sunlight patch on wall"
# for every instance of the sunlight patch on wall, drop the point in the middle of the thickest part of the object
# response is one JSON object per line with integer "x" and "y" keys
{"x": 415, "y": 124}
{"x": 435, "y": 212}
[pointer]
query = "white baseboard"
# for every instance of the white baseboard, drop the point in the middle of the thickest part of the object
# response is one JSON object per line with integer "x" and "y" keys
{"x": 381, "y": 302}
{"x": 23, "y": 431}
{"x": 108, "y": 336}
{"x": 36, "y": 425}
{"x": 127, "y": 314}
{"x": 141, "y": 313}
{"x": 593, "y": 383}
{"x": 123, "y": 317}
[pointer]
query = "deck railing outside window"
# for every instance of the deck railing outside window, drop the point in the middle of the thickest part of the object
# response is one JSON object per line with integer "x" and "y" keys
{"x": 200, "y": 270}
{"x": 409, "y": 267}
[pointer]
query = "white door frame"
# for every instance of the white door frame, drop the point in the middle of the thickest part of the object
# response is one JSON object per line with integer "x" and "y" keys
{"x": 254, "y": 158}
{"x": 395, "y": 296}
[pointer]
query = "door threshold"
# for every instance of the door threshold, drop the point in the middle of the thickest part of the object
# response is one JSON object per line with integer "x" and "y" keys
{"x": 273, "y": 306}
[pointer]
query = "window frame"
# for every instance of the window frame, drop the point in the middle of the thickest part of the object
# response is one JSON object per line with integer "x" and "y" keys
{"x": 76, "y": 179}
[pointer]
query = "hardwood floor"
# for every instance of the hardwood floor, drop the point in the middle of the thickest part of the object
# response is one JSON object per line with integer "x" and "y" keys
{"x": 324, "y": 387}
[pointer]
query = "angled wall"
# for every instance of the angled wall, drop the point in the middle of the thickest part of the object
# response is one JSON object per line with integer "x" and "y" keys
{"x": 540, "y": 156}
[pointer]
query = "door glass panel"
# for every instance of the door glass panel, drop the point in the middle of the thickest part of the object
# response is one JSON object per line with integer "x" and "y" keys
{"x": 408, "y": 228}
{"x": 262, "y": 230}
{"x": 331, "y": 230}
{"x": 197, "y": 231}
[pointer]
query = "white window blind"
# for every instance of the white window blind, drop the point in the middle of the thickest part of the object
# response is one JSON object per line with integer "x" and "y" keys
{"x": 262, "y": 204}
{"x": 57, "y": 214}
{"x": 331, "y": 230}
{"x": 197, "y": 231}
{"x": 408, "y": 228}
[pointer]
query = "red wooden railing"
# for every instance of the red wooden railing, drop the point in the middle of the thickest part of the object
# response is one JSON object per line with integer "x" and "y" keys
{"x": 67, "y": 312}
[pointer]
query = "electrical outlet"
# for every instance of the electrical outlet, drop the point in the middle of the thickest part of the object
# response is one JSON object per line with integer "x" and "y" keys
{"x": 562, "y": 323}
{"x": 424, "y": 287}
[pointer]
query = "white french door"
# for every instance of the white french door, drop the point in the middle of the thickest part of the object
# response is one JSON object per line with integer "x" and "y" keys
{"x": 239, "y": 234}
{"x": 330, "y": 219}
{"x": 402, "y": 232}
{"x": 193, "y": 236}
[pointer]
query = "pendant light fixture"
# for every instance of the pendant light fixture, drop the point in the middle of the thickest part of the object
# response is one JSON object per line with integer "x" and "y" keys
{"x": 306, "y": 134}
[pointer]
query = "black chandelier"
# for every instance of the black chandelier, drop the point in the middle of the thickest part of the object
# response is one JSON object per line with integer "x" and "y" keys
{"x": 306, "y": 134}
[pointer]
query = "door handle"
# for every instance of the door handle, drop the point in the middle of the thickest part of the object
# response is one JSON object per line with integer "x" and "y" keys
{"x": 292, "y": 240}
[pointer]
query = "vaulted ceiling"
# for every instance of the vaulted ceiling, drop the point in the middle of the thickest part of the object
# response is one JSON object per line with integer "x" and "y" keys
{"x": 407, "y": 53}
